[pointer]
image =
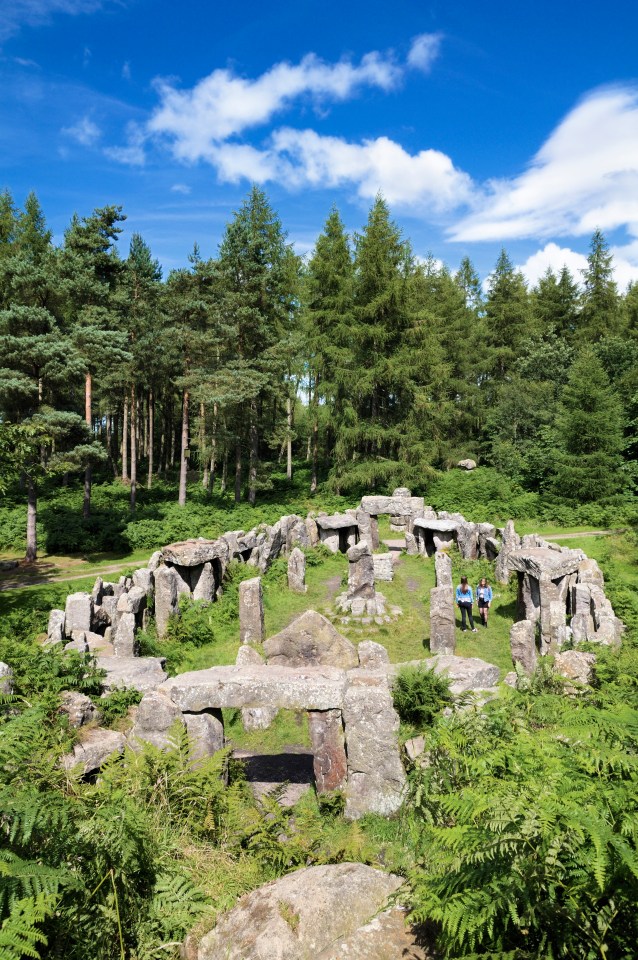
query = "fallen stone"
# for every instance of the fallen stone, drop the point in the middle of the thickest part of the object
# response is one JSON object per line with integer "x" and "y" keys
{"x": 467, "y": 464}
{"x": 137, "y": 673}
{"x": 523, "y": 645}
{"x": 310, "y": 640}
{"x": 301, "y": 915}
{"x": 251, "y": 611}
{"x": 372, "y": 655}
{"x": 78, "y": 708}
{"x": 78, "y": 612}
{"x": 96, "y": 747}
{"x": 297, "y": 571}
{"x": 575, "y": 665}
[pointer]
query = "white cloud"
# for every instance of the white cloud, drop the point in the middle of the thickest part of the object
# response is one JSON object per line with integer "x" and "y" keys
{"x": 126, "y": 70}
{"x": 84, "y": 132}
{"x": 585, "y": 176}
{"x": 625, "y": 263}
{"x": 424, "y": 50}
{"x": 224, "y": 104}
{"x": 133, "y": 153}
{"x": 181, "y": 188}
{"x": 15, "y": 14}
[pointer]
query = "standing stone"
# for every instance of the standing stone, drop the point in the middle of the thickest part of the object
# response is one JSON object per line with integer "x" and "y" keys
{"x": 6, "y": 679}
{"x": 124, "y": 642}
{"x": 155, "y": 560}
{"x": 376, "y": 778}
{"x": 523, "y": 645}
{"x": 360, "y": 571}
{"x": 411, "y": 545}
{"x": 298, "y": 535}
{"x": 297, "y": 571}
{"x": 328, "y": 748}
{"x": 98, "y": 591}
{"x": 368, "y": 528}
{"x": 467, "y": 538}
{"x": 203, "y": 582}
{"x": 313, "y": 531}
{"x": 133, "y": 601}
{"x": 251, "y": 611}
{"x": 78, "y": 612}
{"x": 442, "y": 625}
{"x": 443, "y": 568}
{"x": 55, "y": 629}
{"x": 154, "y": 718}
{"x": 383, "y": 567}
{"x": 510, "y": 541}
{"x": 166, "y": 596}
{"x": 144, "y": 578}
{"x": 206, "y": 733}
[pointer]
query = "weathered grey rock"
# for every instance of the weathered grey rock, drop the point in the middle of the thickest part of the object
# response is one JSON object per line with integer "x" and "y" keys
{"x": 328, "y": 749}
{"x": 313, "y": 531}
{"x": 156, "y": 718}
{"x": 6, "y": 679}
{"x": 434, "y": 534}
{"x": 589, "y": 572}
{"x": 467, "y": 539}
{"x": 271, "y": 547}
{"x": 297, "y": 571}
{"x": 79, "y": 643}
{"x": 372, "y": 655}
{"x": 414, "y": 748}
{"x": 167, "y": 590}
{"x": 106, "y": 614}
{"x": 523, "y": 645}
{"x": 55, "y": 628}
{"x": 360, "y": 571}
{"x": 301, "y": 915}
{"x": 544, "y": 563}
{"x": 124, "y": 641}
{"x": 206, "y": 733}
{"x": 464, "y": 673}
{"x": 132, "y": 602}
{"x": 510, "y": 541}
{"x": 155, "y": 560}
{"x": 144, "y": 580}
{"x": 251, "y": 611}
{"x": 397, "y": 506}
{"x": 302, "y": 688}
{"x": 78, "y": 612}
{"x": 96, "y": 747}
{"x": 383, "y": 567}
{"x": 443, "y": 568}
{"x": 575, "y": 665}
{"x": 310, "y": 640}
{"x": 98, "y": 590}
{"x": 203, "y": 583}
{"x": 467, "y": 464}
{"x": 247, "y": 655}
{"x": 258, "y": 718}
{"x": 136, "y": 673}
{"x": 388, "y": 936}
{"x": 298, "y": 535}
{"x": 368, "y": 529}
{"x": 78, "y": 708}
{"x": 442, "y": 623}
{"x": 511, "y": 678}
{"x": 376, "y": 778}
{"x": 192, "y": 553}
{"x": 338, "y": 521}
{"x": 411, "y": 545}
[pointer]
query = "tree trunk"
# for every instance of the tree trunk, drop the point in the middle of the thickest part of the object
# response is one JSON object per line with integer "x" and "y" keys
{"x": 238, "y": 472}
{"x": 315, "y": 451}
{"x": 213, "y": 451}
{"x": 254, "y": 455}
{"x": 88, "y": 404}
{"x": 289, "y": 439}
{"x": 134, "y": 439}
{"x": 125, "y": 440}
{"x": 203, "y": 455}
{"x": 32, "y": 516}
{"x": 183, "y": 464}
{"x": 151, "y": 422}
{"x": 224, "y": 482}
{"x": 146, "y": 418}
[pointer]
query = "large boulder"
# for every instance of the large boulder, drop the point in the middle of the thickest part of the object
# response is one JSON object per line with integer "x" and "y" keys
{"x": 78, "y": 612}
{"x": 464, "y": 673}
{"x": 575, "y": 665}
{"x": 191, "y": 553}
{"x": 311, "y": 639}
{"x": 301, "y": 915}
{"x": 155, "y": 717}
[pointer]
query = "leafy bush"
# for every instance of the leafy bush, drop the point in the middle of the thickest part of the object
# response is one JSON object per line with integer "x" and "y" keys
{"x": 419, "y": 695}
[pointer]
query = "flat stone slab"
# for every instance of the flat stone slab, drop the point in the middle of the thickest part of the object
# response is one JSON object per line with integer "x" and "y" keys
{"x": 338, "y": 521}
{"x": 307, "y": 688}
{"x": 139, "y": 673}
{"x": 544, "y": 563}
{"x": 464, "y": 673}
{"x": 193, "y": 553}
{"x": 96, "y": 747}
{"x": 442, "y": 526}
{"x": 397, "y": 506}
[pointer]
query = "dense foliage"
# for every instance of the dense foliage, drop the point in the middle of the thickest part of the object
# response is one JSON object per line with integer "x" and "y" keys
{"x": 403, "y": 368}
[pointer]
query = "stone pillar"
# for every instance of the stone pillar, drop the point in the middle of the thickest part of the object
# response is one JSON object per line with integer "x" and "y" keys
{"x": 368, "y": 529}
{"x": 442, "y": 625}
{"x": 124, "y": 642}
{"x": 166, "y": 595}
{"x": 523, "y": 645}
{"x": 254, "y": 718}
{"x": 203, "y": 582}
{"x": 78, "y": 612}
{"x": 251, "y": 611}
{"x": 443, "y": 568}
{"x": 297, "y": 571}
{"x": 467, "y": 538}
{"x": 206, "y": 733}
{"x": 411, "y": 546}
{"x": 360, "y": 571}
{"x": 383, "y": 567}
{"x": 509, "y": 541}
{"x": 328, "y": 748}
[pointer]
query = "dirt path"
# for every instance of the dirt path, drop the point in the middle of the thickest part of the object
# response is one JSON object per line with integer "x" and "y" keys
{"x": 41, "y": 581}
{"x": 585, "y": 533}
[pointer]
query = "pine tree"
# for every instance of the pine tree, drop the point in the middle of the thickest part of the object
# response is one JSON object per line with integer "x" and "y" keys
{"x": 601, "y": 315}
{"x": 555, "y": 303}
{"x": 508, "y": 318}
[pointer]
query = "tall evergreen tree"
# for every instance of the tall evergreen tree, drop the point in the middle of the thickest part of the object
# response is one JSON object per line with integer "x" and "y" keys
{"x": 508, "y": 318}
{"x": 601, "y": 315}
{"x": 555, "y": 302}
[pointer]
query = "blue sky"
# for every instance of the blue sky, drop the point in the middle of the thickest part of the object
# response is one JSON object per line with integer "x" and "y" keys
{"x": 483, "y": 124}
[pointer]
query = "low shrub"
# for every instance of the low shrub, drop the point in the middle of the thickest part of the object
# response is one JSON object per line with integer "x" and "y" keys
{"x": 420, "y": 695}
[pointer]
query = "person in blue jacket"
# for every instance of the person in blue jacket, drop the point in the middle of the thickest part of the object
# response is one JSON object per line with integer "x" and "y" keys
{"x": 464, "y": 601}
{"x": 484, "y": 597}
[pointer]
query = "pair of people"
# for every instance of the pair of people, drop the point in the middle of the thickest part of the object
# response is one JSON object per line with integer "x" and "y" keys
{"x": 465, "y": 601}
